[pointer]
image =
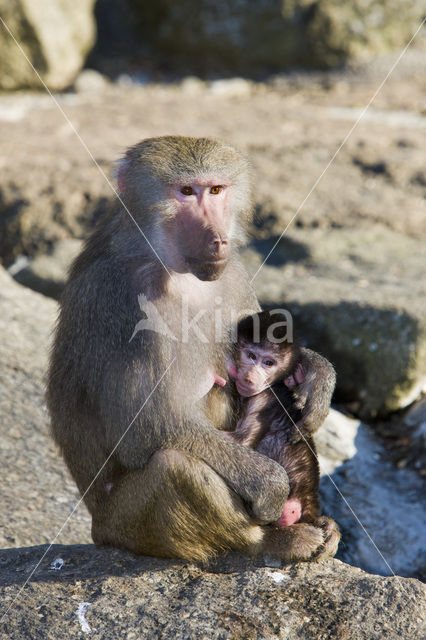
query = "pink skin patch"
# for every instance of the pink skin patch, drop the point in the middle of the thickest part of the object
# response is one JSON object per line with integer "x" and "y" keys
{"x": 292, "y": 512}
{"x": 219, "y": 380}
{"x": 207, "y": 383}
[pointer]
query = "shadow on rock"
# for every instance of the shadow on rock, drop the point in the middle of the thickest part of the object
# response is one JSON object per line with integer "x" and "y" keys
{"x": 286, "y": 250}
{"x": 71, "y": 562}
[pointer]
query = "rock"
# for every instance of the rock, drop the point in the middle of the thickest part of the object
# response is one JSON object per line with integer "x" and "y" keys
{"x": 224, "y": 37}
{"x": 37, "y": 494}
{"x": 416, "y": 418}
{"x": 56, "y": 38}
{"x": 113, "y": 594}
{"x": 127, "y": 80}
{"x": 48, "y": 273}
{"x": 412, "y": 430}
{"x": 379, "y": 508}
{"x": 335, "y": 441}
{"x": 15, "y": 107}
{"x": 356, "y": 296}
{"x": 90, "y": 81}
{"x": 232, "y": 87}
{"x": 191, "y": 85}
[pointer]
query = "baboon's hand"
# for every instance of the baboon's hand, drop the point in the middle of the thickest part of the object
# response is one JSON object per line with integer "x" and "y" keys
{"x": 270, "y": 494}
{"x": 313, "y": 395}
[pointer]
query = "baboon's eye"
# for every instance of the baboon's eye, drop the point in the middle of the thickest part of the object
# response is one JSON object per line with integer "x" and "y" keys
{"x": 251, "y": 355}
{"x": 269, "y": 363}
{"x": 216, "y": 189}
{"x": 187, "y": 191}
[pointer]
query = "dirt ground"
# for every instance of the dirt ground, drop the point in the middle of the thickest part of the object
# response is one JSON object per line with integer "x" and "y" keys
{"x": 292, "y": 128}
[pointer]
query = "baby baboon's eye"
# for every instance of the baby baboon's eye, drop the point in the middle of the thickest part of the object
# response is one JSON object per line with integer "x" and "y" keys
{"x": 269, "y": 363}
{"x": 187, "y": 191}
{"x": 216, "y": 189}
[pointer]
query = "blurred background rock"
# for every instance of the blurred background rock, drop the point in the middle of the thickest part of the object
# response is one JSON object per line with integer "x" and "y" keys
{"x": 285, "y": 82}
{"x": 55, "y": 36}
{"x": 209, "y": 37}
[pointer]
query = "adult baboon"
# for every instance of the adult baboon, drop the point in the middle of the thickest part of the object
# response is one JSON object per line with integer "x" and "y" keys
{"x": 128, "y": 405}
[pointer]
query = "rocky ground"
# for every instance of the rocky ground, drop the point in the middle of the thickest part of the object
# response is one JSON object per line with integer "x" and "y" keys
{"x": 350, "y": 267}
{"x": 110, "y": 594}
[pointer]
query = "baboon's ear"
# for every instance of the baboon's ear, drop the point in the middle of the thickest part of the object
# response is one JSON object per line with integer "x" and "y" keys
{"x": 122, "y": 171}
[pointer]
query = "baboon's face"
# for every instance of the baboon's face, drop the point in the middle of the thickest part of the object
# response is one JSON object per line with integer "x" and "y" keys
{"x": 201, "y": 226}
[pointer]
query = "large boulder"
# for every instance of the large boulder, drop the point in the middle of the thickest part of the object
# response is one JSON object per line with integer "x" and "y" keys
{"x": 251, "y": 37}
{"x": 357, "y": 297}
{"x": 54, "y": 36}
{"x": 79, "y": 590}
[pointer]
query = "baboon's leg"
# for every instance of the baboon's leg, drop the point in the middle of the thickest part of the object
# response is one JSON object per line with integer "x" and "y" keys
{"x": 177, "y": 506}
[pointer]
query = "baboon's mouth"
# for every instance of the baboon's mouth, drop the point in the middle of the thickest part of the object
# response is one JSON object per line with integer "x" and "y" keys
{"x": 243, "y": 390}
{"x": 246, "y": 391}
{"x": 206, "y": 269}
{"x": 198, "y": 263}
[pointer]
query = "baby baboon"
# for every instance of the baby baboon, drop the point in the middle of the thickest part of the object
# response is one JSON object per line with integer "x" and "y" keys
{"x": 270, "y": 421}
